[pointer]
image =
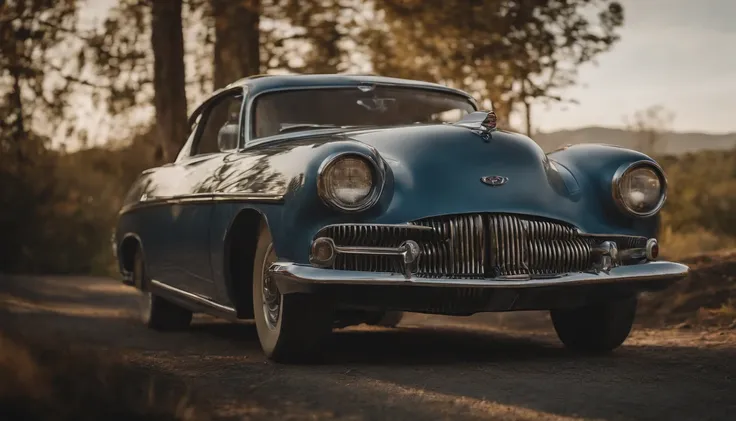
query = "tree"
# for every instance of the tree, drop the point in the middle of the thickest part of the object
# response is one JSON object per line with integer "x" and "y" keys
{"x": 320, "y": 36}
{"x": 142, "y": 65}
{"x": 170, "y": 98}
{"x": 512, "y": 52}
{"x": 237, "y": 40}
{"x": 35, "y": 80}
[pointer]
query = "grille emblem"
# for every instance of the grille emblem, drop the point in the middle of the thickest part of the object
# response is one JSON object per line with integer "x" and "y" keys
{"x": 494, "y": 180}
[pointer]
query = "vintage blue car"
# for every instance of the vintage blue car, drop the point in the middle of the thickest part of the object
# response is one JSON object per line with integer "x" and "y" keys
{"x": 309, "y": 202}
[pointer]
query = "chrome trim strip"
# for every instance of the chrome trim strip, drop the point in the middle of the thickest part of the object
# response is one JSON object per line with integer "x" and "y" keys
{"x": 616, "y": 187}
{"x": 303, "y": 274}
{"x": 408, "y": 250}
{"x": 203, "y": 198}
{"x": 377, "y": 251}
{"x": 376, "y": 190}
{"x": 632, "y": 254}
{"x": 402, "y": 226}
{"x": 193, "y": 298}
{"x": 582, "y": 233}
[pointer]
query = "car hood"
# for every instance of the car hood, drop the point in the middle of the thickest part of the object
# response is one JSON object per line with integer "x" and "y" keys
{"x": 439, "y": 169}
{"x": 433, "y": 170}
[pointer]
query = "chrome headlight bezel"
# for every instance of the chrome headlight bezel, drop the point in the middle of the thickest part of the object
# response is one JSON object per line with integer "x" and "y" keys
{"x": 326, "y": 194}
{"x": 617, "y": 189}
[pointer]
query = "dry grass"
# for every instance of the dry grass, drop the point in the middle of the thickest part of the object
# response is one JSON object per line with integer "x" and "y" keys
{"x": 679, "y": 245}
{"x": 707, "y": 297}
{"x": 40, "y": 381}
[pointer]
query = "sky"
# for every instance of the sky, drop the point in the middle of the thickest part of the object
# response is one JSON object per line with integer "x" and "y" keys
{"x": 679, "y": 54}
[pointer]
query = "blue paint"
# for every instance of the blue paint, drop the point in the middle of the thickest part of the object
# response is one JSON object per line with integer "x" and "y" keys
{"x": 431, "y": 170}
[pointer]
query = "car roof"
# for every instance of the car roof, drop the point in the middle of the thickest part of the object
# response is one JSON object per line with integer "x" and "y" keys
{"x": 262, "y": 83}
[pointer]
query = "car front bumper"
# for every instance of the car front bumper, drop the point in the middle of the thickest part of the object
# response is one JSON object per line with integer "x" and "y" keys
{"x": 291, "y": 277}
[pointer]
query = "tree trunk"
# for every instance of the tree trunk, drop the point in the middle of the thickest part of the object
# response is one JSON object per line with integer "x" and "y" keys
{"x": 237, "y": 40}
{"x": 527, "y": 106}
{"x": 16, "y": 101}
{"x": 170, "y": 97}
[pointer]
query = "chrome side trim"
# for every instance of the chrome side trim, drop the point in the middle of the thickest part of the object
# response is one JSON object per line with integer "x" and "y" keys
{"x": 191, "y": 301}
{"x": 379, "y": 251}
{"x": 407, "y": 250}
{"x": 284, "y": 272}
{"x": 616, "y": 187}
{"x": 203, "y": 198}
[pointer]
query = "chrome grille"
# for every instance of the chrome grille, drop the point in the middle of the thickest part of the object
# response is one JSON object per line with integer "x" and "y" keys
{"x": 470, "y": 246}
{"x": 461, "y": 254}
{"x": 367, "y": 263}
{"x": 550, "y": 248}
{"x": 492, "y": 245}
{"x": 375, "y": 235}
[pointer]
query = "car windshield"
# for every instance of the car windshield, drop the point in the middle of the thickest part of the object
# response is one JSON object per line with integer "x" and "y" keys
{"x": 307, "y": 109}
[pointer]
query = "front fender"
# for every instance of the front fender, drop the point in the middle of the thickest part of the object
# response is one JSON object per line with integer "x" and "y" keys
{"x": 304, "y": 212}
{"x": 594, "y": 166}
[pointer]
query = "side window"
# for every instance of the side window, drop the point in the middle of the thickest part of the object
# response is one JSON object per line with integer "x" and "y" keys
{"x": 221, "y": 126}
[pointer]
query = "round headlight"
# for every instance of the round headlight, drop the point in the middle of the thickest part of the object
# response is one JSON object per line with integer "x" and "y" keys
{"x": 349, "y": 182}
{"x": 640, "y": 188}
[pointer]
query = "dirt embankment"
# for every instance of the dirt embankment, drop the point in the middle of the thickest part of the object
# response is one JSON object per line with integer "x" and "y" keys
{"x": 706, "y": 298}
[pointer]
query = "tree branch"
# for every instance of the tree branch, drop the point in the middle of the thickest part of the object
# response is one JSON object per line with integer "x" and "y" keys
{"x": 76, "y": 79}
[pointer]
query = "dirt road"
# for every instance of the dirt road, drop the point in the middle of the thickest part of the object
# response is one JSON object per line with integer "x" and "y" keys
{"x": 428, "y": 369}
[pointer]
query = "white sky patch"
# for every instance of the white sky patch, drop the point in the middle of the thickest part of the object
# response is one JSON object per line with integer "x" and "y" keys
{"x": 680, "y": 54}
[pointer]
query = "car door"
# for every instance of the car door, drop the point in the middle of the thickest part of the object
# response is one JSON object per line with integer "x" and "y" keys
{"x": 187, "y": 249}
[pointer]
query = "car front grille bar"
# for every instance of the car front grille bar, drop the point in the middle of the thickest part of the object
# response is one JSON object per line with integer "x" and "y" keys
{"x": 484, "y": 245}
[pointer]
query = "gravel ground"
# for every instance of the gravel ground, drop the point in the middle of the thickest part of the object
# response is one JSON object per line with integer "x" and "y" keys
{"x": 430, "y": 368}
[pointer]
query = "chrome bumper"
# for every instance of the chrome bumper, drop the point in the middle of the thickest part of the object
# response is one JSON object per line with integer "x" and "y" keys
{"x": 289, "y": 275}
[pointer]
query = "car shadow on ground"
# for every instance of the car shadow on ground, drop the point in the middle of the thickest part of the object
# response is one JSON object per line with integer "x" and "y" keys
{"x": 450, "y": 364}
{"x": 401, "y": 345}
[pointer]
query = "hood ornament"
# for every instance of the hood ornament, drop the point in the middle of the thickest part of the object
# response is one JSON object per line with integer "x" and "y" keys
{"x": 481, "y": 123}
{"x": 494, "y": 180}
{"x": 480, "y": 120}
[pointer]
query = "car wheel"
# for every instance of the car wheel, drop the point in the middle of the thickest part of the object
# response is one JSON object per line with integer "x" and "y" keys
{"x": 291, "y": 327}
{"x": 595, "y": 329}
{"x": 387, "y": 319}
{"x": 155, "y": 312}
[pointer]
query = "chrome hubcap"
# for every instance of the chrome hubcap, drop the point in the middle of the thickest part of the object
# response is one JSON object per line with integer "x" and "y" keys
{"x": 270, "y": 293}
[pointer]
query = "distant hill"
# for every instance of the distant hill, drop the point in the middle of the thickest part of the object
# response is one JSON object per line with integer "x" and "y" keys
{"x": 671, "y": 143}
